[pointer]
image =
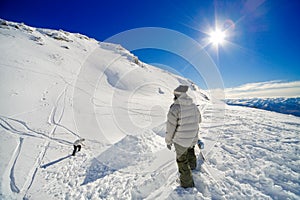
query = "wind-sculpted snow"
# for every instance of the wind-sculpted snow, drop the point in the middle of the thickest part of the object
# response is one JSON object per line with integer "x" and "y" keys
{"x": 130, "y": 151}
{"x": 51, "y": 96}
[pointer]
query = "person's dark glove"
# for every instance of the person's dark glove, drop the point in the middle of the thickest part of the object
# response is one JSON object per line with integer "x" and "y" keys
{"x": 169, "y": 146}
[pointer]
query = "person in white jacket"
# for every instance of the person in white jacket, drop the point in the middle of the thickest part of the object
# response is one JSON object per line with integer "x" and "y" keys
{"x": 182, "y": 131}
{"x": 77, "y": 145}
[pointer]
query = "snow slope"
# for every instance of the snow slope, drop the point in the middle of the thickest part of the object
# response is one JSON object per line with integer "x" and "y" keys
{"x": 58, "y": 86}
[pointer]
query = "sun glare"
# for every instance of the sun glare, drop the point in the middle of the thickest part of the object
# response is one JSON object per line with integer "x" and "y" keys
{"x": 216, "y": 37}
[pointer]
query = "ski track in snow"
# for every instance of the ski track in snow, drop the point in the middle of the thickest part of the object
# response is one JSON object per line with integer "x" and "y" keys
{"x": 60, "y": 103}
{"x": 8, "y": 124}
{"x": 13, "y": 185}
{"x": 33, "y": 133}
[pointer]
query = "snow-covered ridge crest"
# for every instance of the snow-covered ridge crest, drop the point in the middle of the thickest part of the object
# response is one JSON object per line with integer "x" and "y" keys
{"x": 55, "y": 34}
{"x": 65, "y": 39}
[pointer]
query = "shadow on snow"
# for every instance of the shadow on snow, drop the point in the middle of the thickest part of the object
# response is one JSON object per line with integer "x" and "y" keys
{"x": 55, "y": 161}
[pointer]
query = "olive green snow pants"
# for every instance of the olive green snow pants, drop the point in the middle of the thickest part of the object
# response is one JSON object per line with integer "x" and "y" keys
{"x": 186, "y": 161}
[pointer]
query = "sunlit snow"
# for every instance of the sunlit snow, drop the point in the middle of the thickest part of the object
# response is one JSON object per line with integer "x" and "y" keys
{"x": 58, "y": 86}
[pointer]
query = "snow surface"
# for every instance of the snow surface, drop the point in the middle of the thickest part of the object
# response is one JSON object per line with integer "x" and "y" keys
{"x": 58, "y": 86}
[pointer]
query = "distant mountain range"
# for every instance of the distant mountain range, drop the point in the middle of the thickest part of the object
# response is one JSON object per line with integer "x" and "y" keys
{"x": 281, "y": 105}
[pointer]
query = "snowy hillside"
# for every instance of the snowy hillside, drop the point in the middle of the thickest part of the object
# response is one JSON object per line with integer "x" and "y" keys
{"x": 58, "y": 86}
{"x": 281, "y": 105}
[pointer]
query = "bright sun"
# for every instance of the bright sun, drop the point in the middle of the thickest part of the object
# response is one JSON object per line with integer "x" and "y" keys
{"x": 217, "y": 37}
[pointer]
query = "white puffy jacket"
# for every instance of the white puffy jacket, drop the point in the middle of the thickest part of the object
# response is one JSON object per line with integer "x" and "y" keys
{"x": 183, "y": 122}
{"x": 79, "y": 142}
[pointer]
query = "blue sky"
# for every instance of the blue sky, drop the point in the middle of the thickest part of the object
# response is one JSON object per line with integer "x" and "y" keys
{"x": 263, "y": 44}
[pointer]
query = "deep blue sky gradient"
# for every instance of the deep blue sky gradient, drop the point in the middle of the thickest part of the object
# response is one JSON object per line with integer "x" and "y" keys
{"x": 264, "y": 44}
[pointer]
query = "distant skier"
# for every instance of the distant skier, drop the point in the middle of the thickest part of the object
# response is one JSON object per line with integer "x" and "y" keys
{"x": 182, "y": 130}
{"x": 77, "y": 145}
